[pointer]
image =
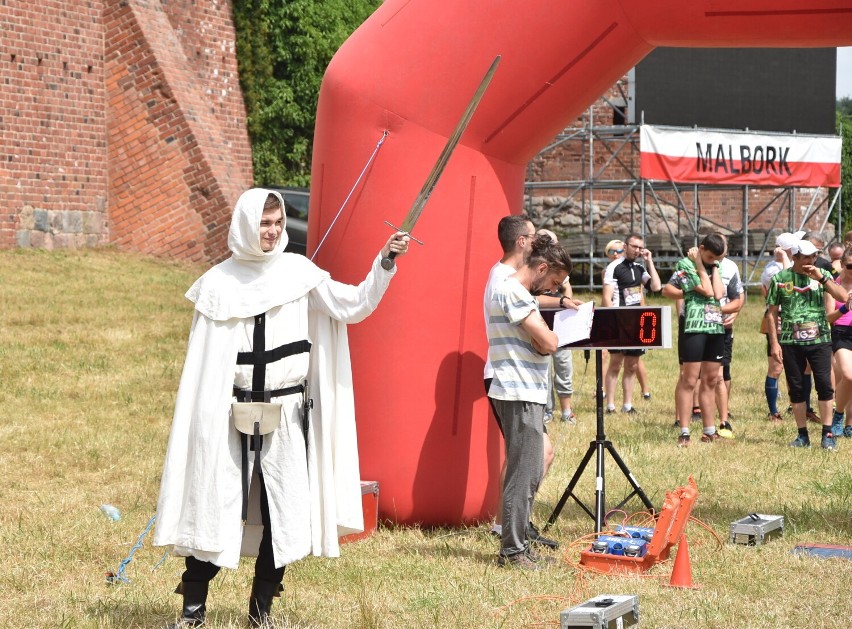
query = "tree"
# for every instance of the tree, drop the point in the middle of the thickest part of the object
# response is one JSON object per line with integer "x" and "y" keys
{"x": 283, "y": 49}
{"x": 844, "y": 106}
{"x": 844, "y": 125}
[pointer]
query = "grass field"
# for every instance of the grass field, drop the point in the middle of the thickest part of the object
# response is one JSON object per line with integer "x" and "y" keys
{"x": 91, "y": 347}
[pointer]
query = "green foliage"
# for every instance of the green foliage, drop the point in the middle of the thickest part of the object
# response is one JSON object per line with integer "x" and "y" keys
{"x": 844, "y": 125}
{"x": 844, "y": 106}
{"x": 283, "y": 49}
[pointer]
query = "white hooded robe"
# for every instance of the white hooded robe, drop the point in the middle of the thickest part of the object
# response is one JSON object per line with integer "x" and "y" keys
{"x": 314, "y": 496}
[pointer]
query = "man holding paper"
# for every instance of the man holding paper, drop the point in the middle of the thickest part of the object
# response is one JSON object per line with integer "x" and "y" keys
{"x": 519, "y": 349}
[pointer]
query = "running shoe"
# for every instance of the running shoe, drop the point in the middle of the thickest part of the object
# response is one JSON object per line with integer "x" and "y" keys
{"x": 847, "y": 432}
{"x": 800, "y": 442}
{"x": 646, "y": 396}
{"x": 828, "y": 442}
{"x": 568, "y": 417}
{"x": 837, "y": 426}
{"x": 726, "y": 430}
{"x": 629, "y": 411}
{"x": 705, "y": 438}
{"x": 696, "y": 414}
{"x": 683, "y": 441}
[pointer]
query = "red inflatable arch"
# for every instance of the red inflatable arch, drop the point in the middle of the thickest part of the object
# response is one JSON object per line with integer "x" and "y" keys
{"x": 424, "y": 427}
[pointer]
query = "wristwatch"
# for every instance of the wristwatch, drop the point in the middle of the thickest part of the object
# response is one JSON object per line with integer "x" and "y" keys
{"x": 562, "y": 301}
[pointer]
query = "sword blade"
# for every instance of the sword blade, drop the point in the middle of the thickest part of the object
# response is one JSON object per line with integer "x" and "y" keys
{"x": 432, "y": 180}
{"x": 429, "y": 185}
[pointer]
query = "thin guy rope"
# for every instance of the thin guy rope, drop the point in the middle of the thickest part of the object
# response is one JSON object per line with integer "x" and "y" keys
{"x": 348, "y": 196}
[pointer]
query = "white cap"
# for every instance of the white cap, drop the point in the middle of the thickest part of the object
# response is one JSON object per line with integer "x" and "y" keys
{"x": 805, "y": 248}
{"x": 786, "y": 241}
{"x": 799, "y": 235}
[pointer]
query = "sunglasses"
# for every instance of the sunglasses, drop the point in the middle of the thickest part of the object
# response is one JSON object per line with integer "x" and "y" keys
{"x": 848, "y": 267}
{"x": 612, "y": 251}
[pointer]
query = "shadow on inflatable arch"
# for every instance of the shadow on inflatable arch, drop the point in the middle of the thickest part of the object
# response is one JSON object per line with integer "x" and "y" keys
{"x": 424, "y": 427}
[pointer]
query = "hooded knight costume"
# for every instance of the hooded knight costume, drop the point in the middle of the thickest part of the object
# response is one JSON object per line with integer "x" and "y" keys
{"x": 265, "y": 325}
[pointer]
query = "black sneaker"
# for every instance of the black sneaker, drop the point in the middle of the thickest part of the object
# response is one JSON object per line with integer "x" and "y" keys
{"x": 523, "y": 561}
{"x": 535, "y": 537}
{"x": 683, "y": 441}
{"x": 646, "y": 396}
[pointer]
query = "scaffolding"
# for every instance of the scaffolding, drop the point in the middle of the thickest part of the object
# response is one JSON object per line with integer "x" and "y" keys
{"x": 609, "y": 172}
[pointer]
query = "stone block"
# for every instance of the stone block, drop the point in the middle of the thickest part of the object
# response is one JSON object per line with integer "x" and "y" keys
{"x": 26, "y": 219}
{"x": 23, "y": 238}
{"x": 40, "y": 221}
{"x": 54, "y": 219}
{"x": 93, "y": 222}
{"x": 72, "y": 222}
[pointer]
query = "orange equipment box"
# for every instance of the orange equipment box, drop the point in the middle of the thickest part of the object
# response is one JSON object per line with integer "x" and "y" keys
{"x": 370, "y": 505}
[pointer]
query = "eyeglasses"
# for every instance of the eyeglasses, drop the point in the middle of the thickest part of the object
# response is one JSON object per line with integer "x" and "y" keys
{"x": 630, "y": 244}
{"x": 848, "y": 267}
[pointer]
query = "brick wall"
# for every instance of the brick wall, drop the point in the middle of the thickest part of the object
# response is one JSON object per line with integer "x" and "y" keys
{"x": 122, "y": 122}
{"x": 178, "y": 150}
{"x": 53, "y": 163}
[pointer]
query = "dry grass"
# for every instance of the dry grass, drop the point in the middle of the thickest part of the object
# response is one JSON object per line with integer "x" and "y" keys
{"x": 91, "y": 345}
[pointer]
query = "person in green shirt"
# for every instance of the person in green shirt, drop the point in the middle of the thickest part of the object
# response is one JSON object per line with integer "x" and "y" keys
{"x": 802, "y": 292}
{"x": 701, "y": 346}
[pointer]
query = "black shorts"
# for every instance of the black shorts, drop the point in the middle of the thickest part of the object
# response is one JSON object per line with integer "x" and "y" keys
{"x": 841, "y": 337}
{"x": 796, "y": 360}
{"x": 728, "y": 352}
{"x": 698, "y": 347}
{"x": 628, "y": 352}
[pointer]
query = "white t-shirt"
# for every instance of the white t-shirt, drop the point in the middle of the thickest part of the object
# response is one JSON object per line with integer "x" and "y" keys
{"x": 520, "y": 372}
{"x": 498, "y": 273}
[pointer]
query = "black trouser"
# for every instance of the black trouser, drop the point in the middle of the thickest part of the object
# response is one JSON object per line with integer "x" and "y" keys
{"x": 264, "y": 567}
{"x": 796, "y": 358}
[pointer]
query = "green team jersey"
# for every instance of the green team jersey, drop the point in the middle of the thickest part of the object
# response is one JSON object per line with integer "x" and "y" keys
{"x": 702, "y": 314}
{"x": 802, "y": 305}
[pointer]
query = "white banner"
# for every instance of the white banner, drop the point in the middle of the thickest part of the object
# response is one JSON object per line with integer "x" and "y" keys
{"x": 700, "y": 156}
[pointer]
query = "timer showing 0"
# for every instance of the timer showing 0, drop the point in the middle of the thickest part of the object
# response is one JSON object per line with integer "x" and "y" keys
{"x": 626, "y": 327}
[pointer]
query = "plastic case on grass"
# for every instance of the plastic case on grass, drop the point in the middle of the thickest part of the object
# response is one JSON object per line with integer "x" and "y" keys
{"x": 370, "y": 504}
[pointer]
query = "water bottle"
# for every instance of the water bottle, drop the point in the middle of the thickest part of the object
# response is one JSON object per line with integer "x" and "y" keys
{"x": 111, "y": 512}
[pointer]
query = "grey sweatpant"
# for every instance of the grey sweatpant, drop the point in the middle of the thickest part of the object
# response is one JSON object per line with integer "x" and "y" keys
{"x": 523, "y": 427}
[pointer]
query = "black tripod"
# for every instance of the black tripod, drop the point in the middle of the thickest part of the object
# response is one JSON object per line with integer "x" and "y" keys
{"x": 597, "y": 448}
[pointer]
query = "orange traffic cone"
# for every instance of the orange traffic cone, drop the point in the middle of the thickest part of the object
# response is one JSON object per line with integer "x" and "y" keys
{"x": 682, "y": 571}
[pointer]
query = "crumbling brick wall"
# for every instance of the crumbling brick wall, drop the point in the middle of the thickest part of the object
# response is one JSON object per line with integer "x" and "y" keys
{"x": 122, "y": 122}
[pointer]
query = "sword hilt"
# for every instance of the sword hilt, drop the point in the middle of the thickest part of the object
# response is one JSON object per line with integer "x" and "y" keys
{"x": 387, "y": 262}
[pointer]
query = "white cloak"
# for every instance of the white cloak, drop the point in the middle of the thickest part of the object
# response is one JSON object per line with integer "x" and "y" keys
{"x": 314, "y": 497}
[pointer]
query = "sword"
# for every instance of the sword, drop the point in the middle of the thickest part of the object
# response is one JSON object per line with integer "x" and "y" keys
{"x": 443, "y": 158}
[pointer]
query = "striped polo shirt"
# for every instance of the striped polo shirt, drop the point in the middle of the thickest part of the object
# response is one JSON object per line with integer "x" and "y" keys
{"x": 520, "y": 372}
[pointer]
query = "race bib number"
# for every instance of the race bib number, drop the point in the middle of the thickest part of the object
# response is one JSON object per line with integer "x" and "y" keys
{"x": 712, "y": 313}
{"x": 633, "y": 296}
{"x": 805, "y": 331}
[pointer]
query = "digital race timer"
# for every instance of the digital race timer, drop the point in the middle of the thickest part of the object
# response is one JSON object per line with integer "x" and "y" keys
{"x": 626, "y": 327}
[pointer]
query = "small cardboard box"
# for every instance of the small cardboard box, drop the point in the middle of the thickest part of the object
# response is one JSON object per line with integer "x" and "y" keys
{"x": 370, "y": 505}
{"x": 756, "y": 529}
{"x": 606, "y": 611}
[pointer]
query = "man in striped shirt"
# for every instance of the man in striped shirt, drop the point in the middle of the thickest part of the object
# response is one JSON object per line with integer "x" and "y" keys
{"x": 519, "y": 349}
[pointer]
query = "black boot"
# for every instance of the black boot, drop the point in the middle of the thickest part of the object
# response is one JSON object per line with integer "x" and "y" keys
{"x": 260, "y": 602}
{"x": 194, "y": 604}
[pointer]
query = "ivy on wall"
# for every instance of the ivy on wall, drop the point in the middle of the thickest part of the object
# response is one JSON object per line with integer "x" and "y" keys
{"x": 283, "y": 49}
